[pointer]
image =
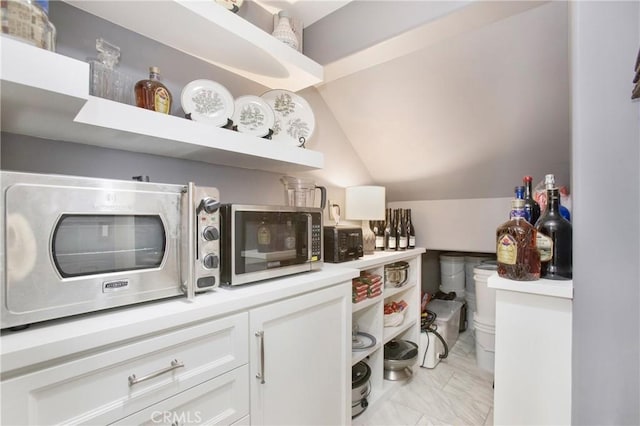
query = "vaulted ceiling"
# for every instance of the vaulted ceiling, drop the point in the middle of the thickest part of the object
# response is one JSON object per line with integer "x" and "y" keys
{"x": 449, "y": 99}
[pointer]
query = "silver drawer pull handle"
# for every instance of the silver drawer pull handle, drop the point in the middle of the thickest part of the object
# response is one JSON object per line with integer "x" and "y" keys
{"x": 174, "y": 365}
{"x": 260, "y": 375}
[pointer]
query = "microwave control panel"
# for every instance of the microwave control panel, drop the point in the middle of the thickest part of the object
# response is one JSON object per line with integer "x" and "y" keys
{"x": 207, "y": 262}
{"x": 316, "y": 238}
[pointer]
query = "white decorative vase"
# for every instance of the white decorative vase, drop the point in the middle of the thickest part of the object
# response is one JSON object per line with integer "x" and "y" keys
{"x": 283, "y": 31}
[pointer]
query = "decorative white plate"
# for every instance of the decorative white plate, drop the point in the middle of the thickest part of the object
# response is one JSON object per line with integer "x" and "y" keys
{"x": 207, "y": 101}
{"x": 295, "y": 121}
{"x": 253, "y": 115}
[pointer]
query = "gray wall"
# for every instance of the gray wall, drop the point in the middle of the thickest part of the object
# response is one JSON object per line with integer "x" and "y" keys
{"x": 606, "y": 160}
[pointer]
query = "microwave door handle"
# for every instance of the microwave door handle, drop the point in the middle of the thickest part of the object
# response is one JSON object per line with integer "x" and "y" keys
{"x": 309, "y": 237}
{"x": 190, "y": 260}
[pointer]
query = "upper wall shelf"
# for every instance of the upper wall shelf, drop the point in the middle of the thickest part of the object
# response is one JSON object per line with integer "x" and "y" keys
{"x": 46, "y": 95}
{"x": 208, "y": 31}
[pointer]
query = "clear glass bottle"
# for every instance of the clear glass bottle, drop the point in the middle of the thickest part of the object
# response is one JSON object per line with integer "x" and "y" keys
{"x": 517, "y": 253}
{"x": 284, "y": 32}
{"x": 531, "y": 206}
{"x": 106, "y": 81}
{"x": 556, "y": 236}
{"x": 152, "y": 94}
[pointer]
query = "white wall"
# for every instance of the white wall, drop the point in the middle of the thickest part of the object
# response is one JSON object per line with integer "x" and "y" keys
{"x": 606, "y": 210}
{"x": 457, "y": 225}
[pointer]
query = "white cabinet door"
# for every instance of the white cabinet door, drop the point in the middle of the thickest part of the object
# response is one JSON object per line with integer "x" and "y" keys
{"x": 299, "y": 359}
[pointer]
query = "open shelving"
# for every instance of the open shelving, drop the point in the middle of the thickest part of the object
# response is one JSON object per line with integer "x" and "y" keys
{"x": 56, "y": 105}
{"x": 369, "y": 314}
{"x": 210, "y": 32}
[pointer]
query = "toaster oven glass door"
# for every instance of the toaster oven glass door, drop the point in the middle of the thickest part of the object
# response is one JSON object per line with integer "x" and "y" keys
{"x": 84, "y": 244}
{"x": 266, "y": 240}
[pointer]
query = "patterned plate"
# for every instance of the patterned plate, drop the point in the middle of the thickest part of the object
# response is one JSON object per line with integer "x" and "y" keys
{"x": 253, "y": 115}
{"x": 207, "y": 101}
{"x": 295, "y": 121}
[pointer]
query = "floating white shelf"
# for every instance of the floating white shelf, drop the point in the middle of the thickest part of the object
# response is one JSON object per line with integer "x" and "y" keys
{"x": 46, "y": 95}
{"x": 208, "y": 31}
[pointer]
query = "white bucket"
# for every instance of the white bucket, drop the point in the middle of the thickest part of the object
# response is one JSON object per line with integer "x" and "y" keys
{"x": 485, "y": 345}
{"x": 470, "y": 262}
{"x": 453, "y": 282}
{"x": 451, "y": 264}
{"x": 485, "y": 296}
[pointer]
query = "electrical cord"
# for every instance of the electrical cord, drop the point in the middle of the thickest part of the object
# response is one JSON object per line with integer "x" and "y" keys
{"x": 427, "y": 326}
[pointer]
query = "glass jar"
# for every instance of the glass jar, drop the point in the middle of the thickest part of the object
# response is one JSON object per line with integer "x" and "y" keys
{"x": 28, "y": 20}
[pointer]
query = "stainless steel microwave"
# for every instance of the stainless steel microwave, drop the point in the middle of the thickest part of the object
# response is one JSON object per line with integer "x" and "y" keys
{"x": 263, "y": 242}
{"x": 71, "y": 245}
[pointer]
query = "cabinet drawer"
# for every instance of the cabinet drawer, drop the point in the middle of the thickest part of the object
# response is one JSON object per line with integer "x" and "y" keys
{"x": 223, "y": 400}
{"x": 96, "y": 388}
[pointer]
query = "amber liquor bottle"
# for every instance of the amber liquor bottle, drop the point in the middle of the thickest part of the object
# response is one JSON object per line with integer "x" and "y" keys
{"x": 517, "y": 254}
{"x": 152, "y": 94}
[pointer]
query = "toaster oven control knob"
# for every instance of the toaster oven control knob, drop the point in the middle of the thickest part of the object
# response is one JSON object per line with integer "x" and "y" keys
{"x": 209, "y": 205}
{"x": 211, "y": 233}
{"x": 210, "y": 261}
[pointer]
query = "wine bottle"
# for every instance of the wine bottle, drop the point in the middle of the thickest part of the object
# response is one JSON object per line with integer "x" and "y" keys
{"x": 557, "y": 264}
{"x": 379, "y": 232}
{"x": 517, "y": 254}
{"x": 403, "y": 237}
{"x": 264, "y": 237}
{"x": 387, "y": 228}
{"x": 393, "y": 232}
{"x": 411, "y": 232}
{"x": 531, "y": 206}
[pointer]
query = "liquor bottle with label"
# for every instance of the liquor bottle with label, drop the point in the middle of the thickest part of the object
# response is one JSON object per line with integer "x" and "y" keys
{"x": 550, "y": 182}
{"x": 403, "y": 237}
{"x": 393, "y": 232}
{"x": 556, "y": 237}
{"x": 517, "y": 254}
{"x": 152, "y": 94}
{"x": 531, "y": 206}
{"x": 411, "y": 232}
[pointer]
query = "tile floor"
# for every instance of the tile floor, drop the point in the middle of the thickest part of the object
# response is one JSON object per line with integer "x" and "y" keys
{"x": 455, "y": 392}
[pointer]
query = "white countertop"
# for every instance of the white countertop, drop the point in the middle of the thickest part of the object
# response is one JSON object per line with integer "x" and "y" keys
{"x": 45, "y": 342}
{"x": 554, "y": 288}
{"x": 377, "y": 258}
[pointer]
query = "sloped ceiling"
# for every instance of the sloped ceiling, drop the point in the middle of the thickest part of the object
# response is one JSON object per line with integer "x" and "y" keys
{"x": 465, "y": 116}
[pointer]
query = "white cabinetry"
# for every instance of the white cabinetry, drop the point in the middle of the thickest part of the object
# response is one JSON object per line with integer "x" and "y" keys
{"x": 300, "y": 351}
{"x": 115, "y": 382}
{"x": 181, "y": 361}
{"x": 56, "y": 105}
{"x": 533, "y": 352}
{"x": 369, "y": 314}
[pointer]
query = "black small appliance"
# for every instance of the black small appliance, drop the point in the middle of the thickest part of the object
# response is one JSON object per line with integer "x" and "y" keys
{"x": 342, "y": 244}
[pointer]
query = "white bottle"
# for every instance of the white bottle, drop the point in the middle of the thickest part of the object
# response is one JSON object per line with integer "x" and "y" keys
{"x": 283, "y": 31}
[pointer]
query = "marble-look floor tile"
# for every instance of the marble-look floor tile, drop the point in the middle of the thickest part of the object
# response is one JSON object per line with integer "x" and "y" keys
{"x": 455, "y": 392}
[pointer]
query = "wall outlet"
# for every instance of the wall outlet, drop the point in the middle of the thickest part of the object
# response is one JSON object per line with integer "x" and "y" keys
{"x": 333, "y": 208}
